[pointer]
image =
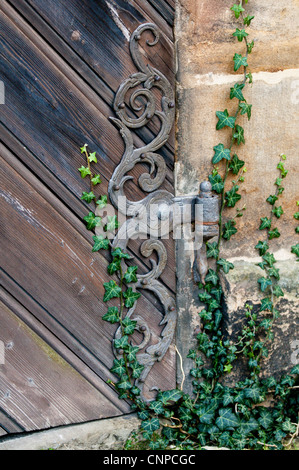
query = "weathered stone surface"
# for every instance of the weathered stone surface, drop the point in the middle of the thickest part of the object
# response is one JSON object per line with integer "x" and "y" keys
{"x": 104, "y": 434}
{"x": 204, "y": 35}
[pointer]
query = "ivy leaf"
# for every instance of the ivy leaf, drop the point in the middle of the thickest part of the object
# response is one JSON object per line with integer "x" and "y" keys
{"x": 240, "y": 34}
{"x": 131, "y": 297}
{"x": 206, "y": 412}
{"x": 130, "y": 275}
{"x": 225, "y": 120}
{"x": 247, "y": 427}
{"x": 265, "y": 419}
{"x": 217, "y": 183}
{"x": 228, "y": 398}
{"x": 84, "y": 170}
{"x": 125, "y": 383}
{"x": 100, "y": 243}
{"x": 226, "y": 265}
{"x": 262, "y": 246}
{"x": 118, "y": 253}
{"x": 131, "y": 352}
{"x": 272, "y": 199}
{"x": 136, "y": 369}
{"x": 236, "y": 164}
{"x": 239, "y": 61}
{"x": 232, "y": 197}
{"x": 129, "y": 326}
{"x": 278, "y": 211}
{"x": 83, "y": 149}
{"x": 227, "y": 419}
{"x": 264, "y": 283}
{"x": 111, "y": 290}
{"x": 92, "y": 157}
{"x": 102, "y": 202}
{"x": 295, "y": 249}
{"x": 239, "y": 135}
{"x": 112, "y": 315}
{"x": 212, "y": 277}
{"x": 114, "y": 266}
{"x": 92, "y": 221}
{"x": 270, "y": 259}
{"x": 266, "y": 304}
{"x": 246, "y": 109}
{"x": 265, "y": 223}
{"x": 88, "y": 197}
{"x": 96, "y": 179}
{"x": 278, "y": 292}
{"x": 212, "y": 250}
{"x": 121, "y": 343}
{"x": 112, "y": 223}
{"x": 236, "y": 91}
{"x": 229, "y": 229}
{"x": 119, "y": 367}
{"x": 237, "y": 9}
{"x": 250, "y": 46}
{"x": 254, "y": 394}
{"x": 247, "y": 20}
{"x": 273, "y": 233}
{"x": 157, "y": 407}
{"x": 170, "y": 396}
{"x": 274, "y": 272}
{"x": 150, "y": 425}
{"x": 220, "y": 153}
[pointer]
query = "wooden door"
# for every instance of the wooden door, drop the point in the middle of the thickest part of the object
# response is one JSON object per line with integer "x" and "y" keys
{"x": 62, "y": 62}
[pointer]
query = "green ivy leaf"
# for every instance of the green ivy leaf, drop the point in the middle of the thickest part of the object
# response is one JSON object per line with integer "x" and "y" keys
{"x": 96, "y": 179}
{"x": 273, "y": 233}
{"x": 229, "y": 229}
{"x": 270, "y": 259}
{"x": 247, "y": 427}
{"x": 119, "y": 367}
{"x": 246, "y": 109}
{"x": 264, "y": 283}
{"x": 296, "y": 215}
{"x": 131, "y": 352}
{"x": 274, "y": 272}
{"x": 212, "y": 250}
{"x": 295, "y": 249}
{"x": 240, "y": 34}
{"x": 239, "y": 61}
{"x": 100, "y": 243}
{"x": 254, "y": 393}
{"x": 112, "y": 223}
{"x": 278, "y": 292}
{"x": 250, "y": 46}
{"x": 227, "y": 419}
{"x": 102, "y": 202}
{"x": 232, "y": 197}
{"x": 150, "y": 425}
{"x": 84, "y": 171}
{"x": 272, "y": 199}
{"x": 114, "y": 266}
{"x": 111, "y": 290}
{"x": 121, "y": 343}
{"x": 247, "y": 20}
{"x": 239, "y": 135}
{"x": 124, "y": 383}
{"x": 170, "y": 396}
{"x": 130, "y": 275}
{"x": 220, "y": 153}
{"x": 237, "y": 9}
{"x": 206, "y": 412}
{"x": 265, "y": 223}
{"x": 136, "y": 369}
{"x": 225, "y": 120}
{"x": 262, "y": 246}
{"x": 265, "y": 418}
{"x": 112, "y": 315}
{"x": 92, "y": 157}
{"x": 266, "y": 304}
{"x": 130, "y": 297}
{"x": 236, "y": 164}
{"x": 88, "y": 197}
{"x": 226, "y": 265}
{"x": 92, "y": 221}
{"x": 157, "y": 407}
{"x": 217, "y": 183}
{"x": 212, "y": 277}
{"x": 277, "y": 211}
{"x": 120, "y": 254}
{"x": 236, "y": 91}
{"x": 128, "y": 326}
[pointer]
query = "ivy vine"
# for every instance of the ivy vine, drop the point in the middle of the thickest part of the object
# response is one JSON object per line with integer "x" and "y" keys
{"x": 235, "y": 417}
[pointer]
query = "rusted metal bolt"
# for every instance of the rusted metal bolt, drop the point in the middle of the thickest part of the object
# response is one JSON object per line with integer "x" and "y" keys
{"x": 137, "y": 37}
{"x": 158, "y": 353}
{"x": 116, "y": 188}
{"x": 143, "y": 155}
{"x": 142, "y": 328}
{"x": 171, "y": 104}
{"x": 171, "y": 309}
{"x": 157, "y": 78}
{"x": 148, "y": 116}
{"x": 144, "y": 282}
{"x": 121, "y": 105}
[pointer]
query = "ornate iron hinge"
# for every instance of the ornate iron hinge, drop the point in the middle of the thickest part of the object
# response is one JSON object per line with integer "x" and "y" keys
{"x": 139, "y": 220}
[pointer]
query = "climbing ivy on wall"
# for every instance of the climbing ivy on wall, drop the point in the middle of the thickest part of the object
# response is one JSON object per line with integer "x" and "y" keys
{"x": 238, "y": 416}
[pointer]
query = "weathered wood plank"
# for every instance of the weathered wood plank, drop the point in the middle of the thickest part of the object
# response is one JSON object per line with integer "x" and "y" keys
{"x": 37, "y": 387}
{"x": 8, "y": 424}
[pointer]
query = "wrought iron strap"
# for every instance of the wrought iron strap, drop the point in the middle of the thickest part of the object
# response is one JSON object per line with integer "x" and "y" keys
{"x": 147, "y": 78}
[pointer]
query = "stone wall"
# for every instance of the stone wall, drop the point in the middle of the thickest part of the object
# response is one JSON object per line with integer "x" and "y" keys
{"x": 205, "y": 49}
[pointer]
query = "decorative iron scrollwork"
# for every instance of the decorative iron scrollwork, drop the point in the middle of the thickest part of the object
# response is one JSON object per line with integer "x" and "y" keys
{"x": 143, "y": 103}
